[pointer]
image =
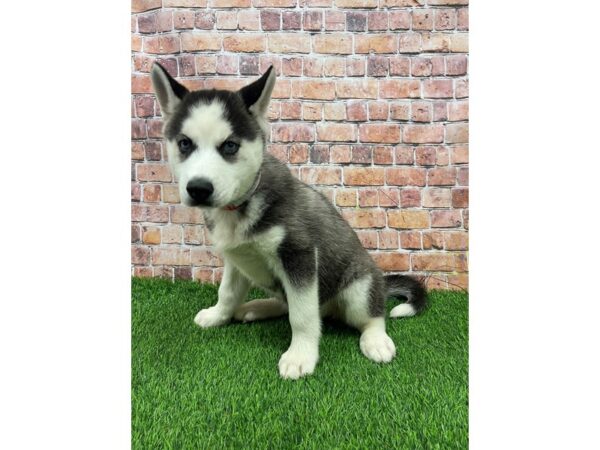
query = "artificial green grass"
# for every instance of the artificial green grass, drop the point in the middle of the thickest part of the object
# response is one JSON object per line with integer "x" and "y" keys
{"x": 219, "y": 388}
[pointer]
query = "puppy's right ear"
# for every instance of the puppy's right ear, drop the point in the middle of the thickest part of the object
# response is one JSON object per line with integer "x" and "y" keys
{"x": 168, "y": 91}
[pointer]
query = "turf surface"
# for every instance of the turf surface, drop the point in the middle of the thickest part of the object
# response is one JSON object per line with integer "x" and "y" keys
{"x": 219, "y": 388}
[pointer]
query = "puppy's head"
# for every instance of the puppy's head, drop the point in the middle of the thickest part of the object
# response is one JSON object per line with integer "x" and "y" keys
{"x": 215, "y": 139}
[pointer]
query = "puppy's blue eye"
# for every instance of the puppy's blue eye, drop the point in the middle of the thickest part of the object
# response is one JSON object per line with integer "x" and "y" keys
{"x": 185, "y": 145}
{"x": 229, "y": 148}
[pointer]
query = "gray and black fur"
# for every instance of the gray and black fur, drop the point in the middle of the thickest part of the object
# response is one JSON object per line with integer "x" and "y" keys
{"x": 273, "y": 230}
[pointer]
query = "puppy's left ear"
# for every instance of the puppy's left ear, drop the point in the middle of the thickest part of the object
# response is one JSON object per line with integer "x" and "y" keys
{"x": 168, "y": 91}
{"x": 257, "y": 95}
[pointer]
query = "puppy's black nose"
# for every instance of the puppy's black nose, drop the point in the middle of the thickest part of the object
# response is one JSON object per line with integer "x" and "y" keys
{"x": 200, "y": 189}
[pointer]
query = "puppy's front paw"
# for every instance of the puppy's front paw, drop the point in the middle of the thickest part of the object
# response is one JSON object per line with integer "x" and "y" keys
{"x": 377, "y": 346}
{"x": 296, "y": 363}
{"x": 211, "y": 317}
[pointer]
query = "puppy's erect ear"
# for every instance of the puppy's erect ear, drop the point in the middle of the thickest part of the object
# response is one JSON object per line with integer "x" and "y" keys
{"x": 168, "y": 91}
{"x": 257, "y": 95}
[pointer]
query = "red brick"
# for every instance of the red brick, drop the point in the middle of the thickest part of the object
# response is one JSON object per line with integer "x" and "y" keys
{"x": 186, "y": 214}
{"x": 356, "y": 4}
{"x": 376, "y": 43}
{"x": 399, "y": 89}
{"x": 313, "y": 67}
{"x": 400, "y": 20}
{"x": 291, "y": 110}
{"x": 404, "y": 155}
{"x": 438, "y": 89}
{"x": 249, "y": 65}
{"x": 444, "y": 262}
{"x": 270, "y": 19}
{"x": 244, "y": 43}
{"x": 466, "y": 219}
{"x": 366, "y": 88}
{"x": 315, "y": 90}
{"x": 460, "y": 154}
{"x": 345, "y": 197}
{"x": 227, "y": 64}
{"x": 445, "y": 176}
{"x": 365, "y": 218}
{"x": 135, "y": 233}
{"x": 226, "y": 20}
{"x": 136, "y": 192}
{"x": 410, "y": 198}
{"x": 460, "y": 198}
{"x": 291, "y": 20}
{"x": 182, "y": 273}
{"x": 321, "y": 175}
{"x": 203, "y": 275}
{"x": 379, "y": 133}
{"x": 279, "y": 151}
{"x": 248, "y": 20}
{"x": 147, "y": 22}
{"x": 274, "y": 3}
{"x": 367, "y": 197}
{"x": 368, "y": 238}
{"x": 171, "y": 234}
{"x": 152, "y": 193}
{"x": 462, "y": 21}
{"x": 313, "y": 21}
{"x": 162, "y": 44}
{"x": 457, "y": 133}
{"x": 184, "y": 3}
{"x": 389, "y": 197}
{"x": 408, "y": 219}
{"x": 356, "y": 21}
{"x": 459, "y": 43}
{"x": 422, "y": 19}
{"x": 388, "y": 239}
{"x": 421, "y": 112}
{"x": 291, "y": 67}
{"x": 456, "y": 240}
{"x": 289, "y": 43}
{"x": 153, "y": 172}
{"x": 405, "y": 176}
{"x": 456, "y": 65}
{"x": 425, "y": 156}
{"x": 392, "y": 261}
{"x": 445, "y": 19}
{"x": 151, "y": 235}
{"x": 164, "y": 21}
{"x": 400, "y": 111}
{"x": 136, "y": 43}
{"x": 334, "y": 111}
{"x": 437, "y": 198}
{"x": 378, "y": 110}
{"x": 140, "y": 255}
{"x": 144, "y": 5}
{"x": 319, "y": 154}
{"x": 312, "y": 111}
{"x": 410, "y": 240}
{"x": 433, "y": 239}
{"x": 445, "y": 219}
{"x": 229, "y": 3}
{"x": 422, "y": 134}
{"x": 378, "y": 21}
{"x": 362, "y": 154}
{"x": 357, "y": 111}
{"x": 399, "y": 66}
{"x": 187, "y": 65}
{"x": 383, "y": 155}
{"x": 459, "y": 281}
{"x": 435, "y": 42}
{"x": 193, "y": 234}
{"x": 206, "y": 64}
{"x": 191, "y": 41}
{"x": 440, "y": 111}
{"x": 138, "y": 129}
{"x": 205, "y": 20}
{"x": 377, "y": 66}
{"x": 410, "y": 43}
{"x": 137, "y": 151}
{"x": 334, "y": 67}
{"x": 462, "y": 176}
{"x": 421, "y": 67}
{"x": 335, "y": 20}
{"x": 149, "y": 213}
{"x": 170, "y": 193}
{"x": 363, "y": 176}
{"x": 462, "y": 88}
{"x": 204, "y": 257}
{"x": 458, "y": 110}
{"x": 336, "y": 132}
{"x": 340, "y": 154}
{"x": 184, "y": 20}
{"x": 144, "y": 106}
{"x": 294, "y": 132}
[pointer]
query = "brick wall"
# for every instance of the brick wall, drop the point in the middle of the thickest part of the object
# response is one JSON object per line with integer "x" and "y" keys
{"x": 370, "y": 106}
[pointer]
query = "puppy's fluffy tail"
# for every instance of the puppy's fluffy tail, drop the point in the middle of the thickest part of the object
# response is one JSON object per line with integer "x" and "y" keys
{"x": 412, "y": 289}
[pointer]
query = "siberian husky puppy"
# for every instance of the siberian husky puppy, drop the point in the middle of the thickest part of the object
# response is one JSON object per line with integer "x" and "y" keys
{"x": 272, "y": 230}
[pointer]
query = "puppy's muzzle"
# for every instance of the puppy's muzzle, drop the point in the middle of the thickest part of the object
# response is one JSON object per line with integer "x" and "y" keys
{"x": 200, "y": 189}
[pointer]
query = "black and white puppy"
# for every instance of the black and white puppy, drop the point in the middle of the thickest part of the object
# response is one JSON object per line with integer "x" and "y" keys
{"x": 273, "y": 231}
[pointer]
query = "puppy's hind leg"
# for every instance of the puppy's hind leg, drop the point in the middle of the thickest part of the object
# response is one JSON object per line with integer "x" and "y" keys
{"x": 265, "y": 308}
{"x": 362, "y": 302}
